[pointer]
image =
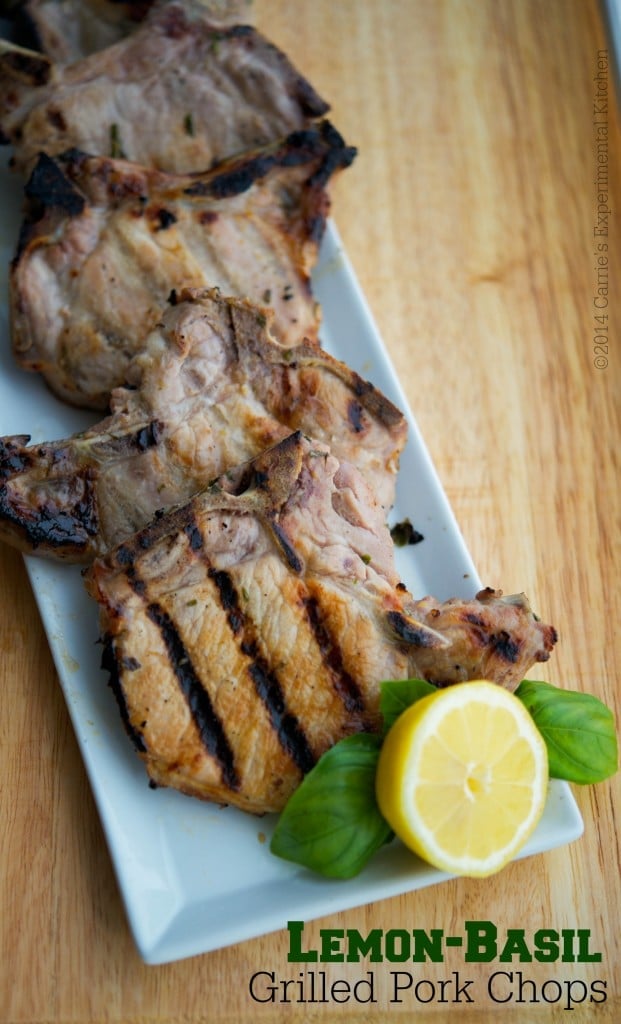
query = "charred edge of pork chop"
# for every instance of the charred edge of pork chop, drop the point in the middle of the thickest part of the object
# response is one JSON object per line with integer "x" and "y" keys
{"x": 62, "y": 523}
{"x": 61, "y": 186}
{"x": 491, "y": 637}
{"x": 302, "y": 146}
{"x": 275, "y": 489}
{"x": 48, "y": 188}
{"x": 98, "y": 178}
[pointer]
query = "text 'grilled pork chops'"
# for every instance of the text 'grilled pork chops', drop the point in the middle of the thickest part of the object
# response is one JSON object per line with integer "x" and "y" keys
{"x": 248, "y": 631}
{"x": 104, "y": 242}
{"x": 179, "y": 93}
{"x": 210, "y": 389}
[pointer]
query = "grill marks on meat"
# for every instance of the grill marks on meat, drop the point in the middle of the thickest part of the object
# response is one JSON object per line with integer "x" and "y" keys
{"x": 180, "y": 93}
{"x": 210, "y": 389}
{"x": 237, "y": 666}
{"x": 105, "y": 242}
{"x": 209, "y": 726}
{"x": 287, "y": 658}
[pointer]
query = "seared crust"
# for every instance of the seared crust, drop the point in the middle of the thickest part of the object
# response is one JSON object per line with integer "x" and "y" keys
{"x": 210, "y": 389}
{"x": 104, "y": 242}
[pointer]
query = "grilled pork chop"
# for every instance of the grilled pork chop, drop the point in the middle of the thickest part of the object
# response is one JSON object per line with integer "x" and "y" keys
{"x": 248, "y": 631}
{"x": 105, "y": 241}
{"x": 210, "y": 389}
{"x": 180, "y": 93}
{"x": 67, "y": 30}
{"x": 493, "y": 637}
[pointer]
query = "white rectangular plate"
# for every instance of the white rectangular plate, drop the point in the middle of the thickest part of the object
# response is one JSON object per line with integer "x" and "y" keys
{"x": 195, "y": 877}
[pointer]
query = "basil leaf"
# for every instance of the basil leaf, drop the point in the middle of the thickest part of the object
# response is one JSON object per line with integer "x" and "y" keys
{"x": 398, "y": 694}
{"x": 332, "y": 823}
{"x": 578, "y": 729}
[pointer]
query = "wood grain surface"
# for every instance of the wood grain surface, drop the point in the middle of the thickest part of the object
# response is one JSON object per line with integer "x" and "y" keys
{"x": 469, "y": 217}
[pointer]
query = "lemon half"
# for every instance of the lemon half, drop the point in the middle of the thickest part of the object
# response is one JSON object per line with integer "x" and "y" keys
{"x": 462, "y": 778}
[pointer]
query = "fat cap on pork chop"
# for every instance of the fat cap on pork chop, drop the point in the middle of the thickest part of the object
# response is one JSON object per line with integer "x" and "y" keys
{"x": 249, "y": 630}
{"x": 211, "y": 388}
{"x": 104, "y": 242}
{"x": 180, "y": 93}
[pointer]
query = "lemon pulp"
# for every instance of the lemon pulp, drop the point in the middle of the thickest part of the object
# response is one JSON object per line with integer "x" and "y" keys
{"x": 462, "y": 778}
